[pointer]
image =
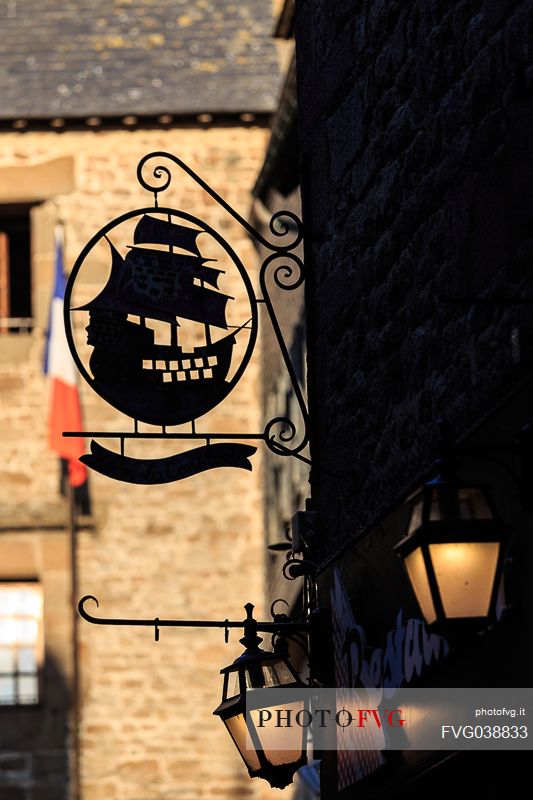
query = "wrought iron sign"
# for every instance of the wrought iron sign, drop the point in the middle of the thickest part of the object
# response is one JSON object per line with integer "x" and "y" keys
{"x": 172, "y": 328}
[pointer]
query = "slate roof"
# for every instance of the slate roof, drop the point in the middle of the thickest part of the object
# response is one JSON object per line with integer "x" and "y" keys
{"x": 68, "y": 58}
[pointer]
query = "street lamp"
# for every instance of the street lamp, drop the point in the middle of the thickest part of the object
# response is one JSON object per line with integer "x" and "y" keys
{"x": 276, "y": 760}
{"x": 453, "y": 550}
{"x": 273, "y": 753}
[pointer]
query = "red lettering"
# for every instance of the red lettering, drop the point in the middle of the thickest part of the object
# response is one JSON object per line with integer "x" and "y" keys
{"x": 362, "y": 714}
{"x": 376, "y": 717}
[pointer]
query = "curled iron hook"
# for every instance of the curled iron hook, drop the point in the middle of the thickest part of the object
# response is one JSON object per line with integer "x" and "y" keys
{"x": 272, "y": 607}
{"x": 85, "y": 614}
{"x": 298, "y": 567}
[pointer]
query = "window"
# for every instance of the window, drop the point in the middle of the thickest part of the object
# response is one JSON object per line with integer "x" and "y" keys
{"x": 21, "y": 610}
{"x": 15, "y": 269}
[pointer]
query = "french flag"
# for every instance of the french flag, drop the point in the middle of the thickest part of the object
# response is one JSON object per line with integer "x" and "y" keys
{"x": 65, "y": 410}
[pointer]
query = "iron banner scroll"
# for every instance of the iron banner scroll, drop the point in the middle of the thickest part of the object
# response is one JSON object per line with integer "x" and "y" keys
{"x": 172, "y": 327}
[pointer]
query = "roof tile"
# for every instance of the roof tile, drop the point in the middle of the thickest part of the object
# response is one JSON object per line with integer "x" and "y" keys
{"x": 143, "y": 57}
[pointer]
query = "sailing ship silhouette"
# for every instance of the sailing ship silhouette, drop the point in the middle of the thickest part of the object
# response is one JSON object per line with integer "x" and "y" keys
{"x": 161, "y": 384}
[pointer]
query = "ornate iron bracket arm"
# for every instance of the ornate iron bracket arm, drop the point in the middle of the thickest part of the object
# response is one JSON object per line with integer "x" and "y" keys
{"x": 280, "y": 627}
{"x": 161, "y": 171}
{"x": 288, "y": 275}
{"x": 310, "y": 634}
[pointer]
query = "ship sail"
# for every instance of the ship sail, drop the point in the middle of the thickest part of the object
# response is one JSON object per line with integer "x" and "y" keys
{"x": 162, "y": 285}
{"x": 151, "y": 230}
{"x": 165, "y": 282}
{"x": 161, "y": 268}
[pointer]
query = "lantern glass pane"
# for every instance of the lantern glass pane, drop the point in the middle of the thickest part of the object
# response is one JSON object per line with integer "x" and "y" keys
{"x": 267, "y": 676}
{"x": 416, "y": 517}
{"x": 254, "y": 675}
{"x": 232, "y": 687}
{"x": 277, "y": 674}
{"x": 444, "y": 504}
{"x": 465, "y": 573}
{"x": 417, "y": 572}
{"x": 284, "y": 674}
{"x": 281, "y": 736}
{"x": 474, "y": 505}
{"x": 451, "y": 502}
{"x": 270, "y": 677}
{"x": 237, "y": 730}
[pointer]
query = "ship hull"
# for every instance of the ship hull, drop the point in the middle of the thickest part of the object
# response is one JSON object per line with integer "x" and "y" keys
{"x": 157, "y": 384}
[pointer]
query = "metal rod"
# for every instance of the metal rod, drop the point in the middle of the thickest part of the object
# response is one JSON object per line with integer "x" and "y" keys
{"x": 76, "y": 704}
{"x": 133, "y": 435}
{"x": 156, "y": 622}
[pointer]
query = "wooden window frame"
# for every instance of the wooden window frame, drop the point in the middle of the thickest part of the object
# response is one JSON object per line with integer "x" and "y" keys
{"x": 12, "y": 215}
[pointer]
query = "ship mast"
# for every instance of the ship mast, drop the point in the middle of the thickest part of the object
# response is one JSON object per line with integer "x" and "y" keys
{"x": 207, "y": 327}
{"x": 173, "y": 327}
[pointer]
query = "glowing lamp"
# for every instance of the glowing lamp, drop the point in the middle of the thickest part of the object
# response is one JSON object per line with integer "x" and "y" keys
{"x": 453, "y": 551}
{"x": 274, "y": 758}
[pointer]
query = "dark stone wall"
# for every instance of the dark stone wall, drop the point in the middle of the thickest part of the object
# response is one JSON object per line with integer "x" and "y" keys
{"x": 34, "y": 747}
{"x": 415, "y": 136}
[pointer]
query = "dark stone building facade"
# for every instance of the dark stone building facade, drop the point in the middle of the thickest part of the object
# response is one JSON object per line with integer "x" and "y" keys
{"x": 415, "y": 123}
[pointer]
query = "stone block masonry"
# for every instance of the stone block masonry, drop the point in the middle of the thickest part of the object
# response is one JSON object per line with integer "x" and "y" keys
{"x": 415, "y": 126}
{"x": 192, "y": 549}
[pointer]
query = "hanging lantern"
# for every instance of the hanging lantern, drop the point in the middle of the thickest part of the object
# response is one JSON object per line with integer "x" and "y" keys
{"x": 453, "y": 551}
{"x": 277, "y": 758}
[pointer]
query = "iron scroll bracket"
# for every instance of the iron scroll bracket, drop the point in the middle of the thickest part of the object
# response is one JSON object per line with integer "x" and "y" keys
{"x": 282, "y": 268}
{"x": 160, "y": 171}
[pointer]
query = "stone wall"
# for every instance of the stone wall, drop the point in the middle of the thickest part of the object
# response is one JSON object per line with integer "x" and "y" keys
{"x": 414, "y": 127}
{"x": 192, "y": 549}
